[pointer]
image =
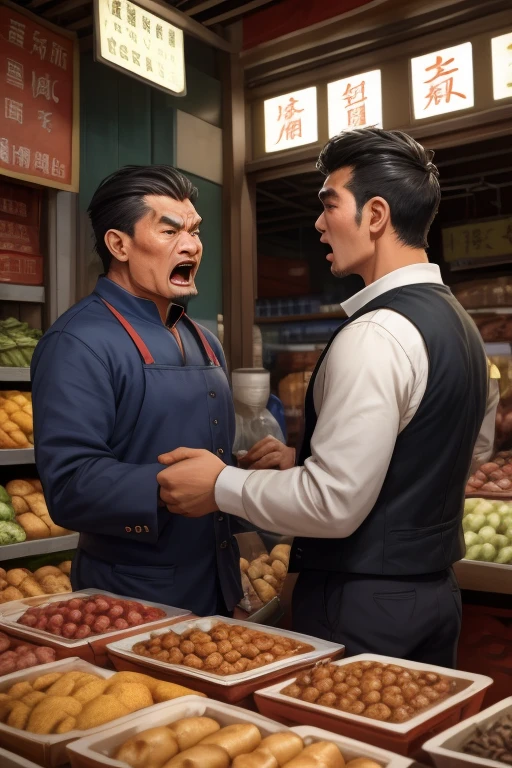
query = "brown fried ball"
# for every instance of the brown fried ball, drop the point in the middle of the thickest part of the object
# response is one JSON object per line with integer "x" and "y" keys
{"x": 187, "y": 647}
{"x": 278, "y": 650}
{"x": 324, "y": 685}
{"x": 388, "y": 678}
{"x": 219, "y": 634}
{"x": 340, "y": 689}
{"x": 140, "y": 648}
{"x": 344, "y": 703}
{"x": 237, "y": 630}
{"x": 225, "y": 669}
{"x": 213, "y": 661}
{"x": 356, "y": 708}
{"x": 241, "y": 665}
{"x": 352, "y": 680}
{"x": 320, "y": 673}
{"x": 431, "y": 678}
{"x": 162, "y": 656}
{"x": 400, "y": 715}
{"x": 292, "y": 690}
{"x": 339, "y": 675}
{"x": 372, "y": 697}
{"x": 205, "y": 649}
{"x": 410, "y": 690}
{"x": 443, "y": 686}
{"x": 155, "y": 641}
{"x": 327, "y": 699}
{"x": 392, "y": 696}
{"x": 420, "y": 701}
{"x": 170, "y": 640}
{"x": 175, "y": 656}
{"x": 354, "y": 693}
{"x": 371, "y": 684}
{"x": 200, "y": 637}
{"x": 232, "y": 656}
{"x": 224, "y": 647}
{"x": 247, "y": 637}
{"x": 403, "y": 679}
{"x": 237, "y": 642}
{"x": 251, "y": 651}
{"x": 396, "y": 669}
{"x": 366, "y": 664}
{"x": 430, "y": 693}
{"x": 191, "y": 660}
{"x": 378, "y": 712}
{"x": 304, "y": 678}
{"x": 310, "y": 694}
{"x": 264, "y": 643}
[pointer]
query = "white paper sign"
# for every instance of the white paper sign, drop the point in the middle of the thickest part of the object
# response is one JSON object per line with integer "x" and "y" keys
{"x": 355, "y": 102}
{"x": 442, "y": 81}
{"x": 291, "y": 120}
{"x": 142, "y": 43}
{"x": 502, "y": 66}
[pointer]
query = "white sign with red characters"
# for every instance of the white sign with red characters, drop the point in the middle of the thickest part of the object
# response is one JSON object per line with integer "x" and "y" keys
{"x": 291, "y": 120}
{"x": 442, "y": 81}
{"x": 355, "y": 102}
{"x": 502, "y": 66}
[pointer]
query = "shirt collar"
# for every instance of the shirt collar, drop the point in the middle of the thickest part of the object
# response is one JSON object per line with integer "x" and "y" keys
{"x": 411, "y": 275}
{"x": 128, "y": 304}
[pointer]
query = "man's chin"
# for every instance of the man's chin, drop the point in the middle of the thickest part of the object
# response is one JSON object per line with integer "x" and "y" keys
{"x": 186, "y": 292}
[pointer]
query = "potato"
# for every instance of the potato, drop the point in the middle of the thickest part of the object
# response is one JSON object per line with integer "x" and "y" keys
{"x": 362, "y": 762}
{"x": 90, "y": 691}
{"x": 18, "y": 690}
{"x": 66, "y": 725}
{"x": 19, "y": 488}
{"x": 43, "y": 682}
{"x": 134, "y": 677}
{"x": 257, "y": 759}
{"x": 19, "y": 714}
{"x": 272, "y": 581}
{"x": 235, "y": 739}
{"x": 191, "y": 730}
{"x": 283, "y": 746}
{"x": 264, "y": 591}
{"x": 20, "y": 505}
{"x": 200, "y": 757}
{"x": 149, "y": 749}
{"x": 323, "y": 753}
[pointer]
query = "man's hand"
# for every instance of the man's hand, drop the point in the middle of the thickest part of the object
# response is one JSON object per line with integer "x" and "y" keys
{"x": 269, "y": 453}
{"x": 187, "y": 486}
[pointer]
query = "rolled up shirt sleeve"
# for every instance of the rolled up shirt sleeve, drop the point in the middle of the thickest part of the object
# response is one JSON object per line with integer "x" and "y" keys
{"x": 86, "y": 487}
{"x": 484, "y": 446}
{"x": 366, "y": 389}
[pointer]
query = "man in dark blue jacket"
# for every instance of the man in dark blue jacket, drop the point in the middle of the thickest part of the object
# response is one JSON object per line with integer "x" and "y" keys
{"x": 124, "y": 376}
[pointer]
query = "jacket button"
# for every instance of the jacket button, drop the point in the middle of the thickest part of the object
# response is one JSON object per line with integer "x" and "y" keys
{"x": 220, "y": 451}
{"x": 215, "y": 422}
{"x": 212, "y": 394}
{"x": 223, "y": 544}
{"x": 220, "y": 518}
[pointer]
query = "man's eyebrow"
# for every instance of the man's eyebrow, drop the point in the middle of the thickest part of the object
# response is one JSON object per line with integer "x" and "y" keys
{"x": 178, "y": 223}
{"x": 327, "y": 193}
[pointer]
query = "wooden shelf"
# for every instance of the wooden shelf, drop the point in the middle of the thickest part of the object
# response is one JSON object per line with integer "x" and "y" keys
{"x": 14, "y": 374}
{"x": 491, "y": 311}
{"x": 297, "y": 318}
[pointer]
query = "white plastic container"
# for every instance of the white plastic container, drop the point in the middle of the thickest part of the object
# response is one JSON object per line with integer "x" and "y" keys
{"x": 231, "y": 687}
{"x": 50, "y": 750}
{"x": 10, "y": 760}
{"x": 91, "y": 648}
{"x": 444, "y": 749}
{"x": 403, "y": 738}
{"x": 95, "y": 751}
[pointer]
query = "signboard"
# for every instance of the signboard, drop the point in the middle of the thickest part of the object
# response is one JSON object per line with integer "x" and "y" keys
{"x": 482, "y": 242}
{"x": 442, "y": 81}
{"x": 38, "y": 100}
{"x": 355, "y": 102}
{"x": 20, "y": 210}
{"x": 137, "y": 42}
{"x": 291, "y": 120}
{"x": 502, "y": 66}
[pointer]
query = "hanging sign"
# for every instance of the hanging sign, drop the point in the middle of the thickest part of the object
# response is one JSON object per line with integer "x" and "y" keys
{"x": 355, "y": 102}
{"x": 481, "y": 242}
{"x": 129, "y": 38}
{"x": 291, "y": 120}
{"x": 442, "y": 81}
{"x": 502, "y": 66}
{"x": 38, "y": 100}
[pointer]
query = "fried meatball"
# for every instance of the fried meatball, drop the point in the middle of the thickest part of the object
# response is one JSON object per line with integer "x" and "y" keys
{"x": 232, "y": 656}
{"x": 292, "y": 690}
{"x": 403, "y": 679}
{"x": 431, "y": 678}
{"x": 366, "y": 664}
{"x": 371, "y": 684}
{"x": 388, "y": 678}
{"x": 324, "y": 685}
{"x": 224, "y": 647}
{"x": 339, "y": 676}
{"x": 320, "y": 673}
{"x": 241, "y": 665}
{"x": 378, "y": 712}
{"x": 219, "y": 634}
{"x": 327, "y": 699}
{"x": 310, "y": 694}
{"x": 443, "y": 686}
{"x": 352, "y": 680}
{"x": 191, "y": 660}
{"x": 162, "y": 656}
{"x": 356, "y": 708}
{"x": 187, "y": 647}
{"x": 200, "y": 637}
{"x": 251, "y": 651}
{"x": 175, "y": 656}
{"x": 430, "y": 693}
{"x": 304, "y": 678}
{"x": 340, "y": 689}
{"x": 225, "y": 669}
{"x": 400, "y": 715}
{"x": 420, "y": 701}
{"x": 354, "y": 692}
{"x": 278, "y": 649}
{"x": 205, "y": 649}
{"x": 410, "y": 690}
{"x": 213, "y": 661}
{"x": 264, "y": 643}
{"x": 392, "y": 696}
{"x": 170, "y": 640}
{"x": 372, "y": 697}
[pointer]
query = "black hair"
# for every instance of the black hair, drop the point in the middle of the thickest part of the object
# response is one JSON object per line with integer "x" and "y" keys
{"x": 118, "y": 203}
{"x": 392, "y": 165}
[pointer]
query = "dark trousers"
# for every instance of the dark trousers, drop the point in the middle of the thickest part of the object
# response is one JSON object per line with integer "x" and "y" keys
{"x": 417, "y": 618}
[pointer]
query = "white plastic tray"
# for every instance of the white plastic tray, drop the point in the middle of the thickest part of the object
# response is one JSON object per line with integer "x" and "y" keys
{"x": 123, "y": 648}
{"x": 477, "y": 683}
{"x": 444, "y": 748}
{"x": 50, "y": 750}
{"x": 94, "y": 751}
{"x": 12, "y": 611}
{"x": 10, "y": 760}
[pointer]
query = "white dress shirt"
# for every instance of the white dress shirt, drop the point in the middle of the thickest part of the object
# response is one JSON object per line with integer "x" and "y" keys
{"x": 367, "y": 390}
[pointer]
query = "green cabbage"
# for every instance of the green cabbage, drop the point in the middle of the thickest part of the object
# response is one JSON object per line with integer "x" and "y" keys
{"x": 11, "y": 533}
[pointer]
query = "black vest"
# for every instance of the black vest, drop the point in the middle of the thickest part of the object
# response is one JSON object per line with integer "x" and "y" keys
{"x": 415, "y": 526}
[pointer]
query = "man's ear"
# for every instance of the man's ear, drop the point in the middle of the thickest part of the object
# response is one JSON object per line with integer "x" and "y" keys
{"x": 379, "y": 215}
{"x": 117, "y": 243}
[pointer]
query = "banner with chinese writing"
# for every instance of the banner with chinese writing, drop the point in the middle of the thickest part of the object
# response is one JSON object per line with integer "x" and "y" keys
{"x": 129, "y": 38}
{"x": 38, "y": 100}
{"x": 442, "y": 81}
{"x": 291, "y": 120}
{"x": 355, "y": 102}
{"x": 478, "y": 243}
{"x": 20, "y": 212}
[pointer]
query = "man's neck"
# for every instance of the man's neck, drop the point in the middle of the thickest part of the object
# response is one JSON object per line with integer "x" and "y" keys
{"x": 161, "y": 303}
{"x": 386, "y": 262}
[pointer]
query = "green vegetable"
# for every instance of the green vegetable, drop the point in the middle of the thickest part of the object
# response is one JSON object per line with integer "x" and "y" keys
{"x": 474, "y": 552}
{"x": 504, "y": 556}
{"x": 4, "y": 496}
{"x": 488, "y": 553}
{"x": 483, "y": 508}
{"x": 506, "y": 522}
{"x": 470, "y": 505}
{"x": 474, "y": 522}
{"x": 11, "y": 533}
{"x": 499, "y": 541}
{"x": 494, "y": 520}
{"x": 504, "y": 509}
{"x": 508, "y": 534}
{"x": 6, "y": 511}
{"x": 471, "y": 538}
{"x": 487, "y": 533}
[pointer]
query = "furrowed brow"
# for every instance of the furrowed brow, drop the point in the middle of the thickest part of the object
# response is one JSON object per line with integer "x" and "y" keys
{"x": 328, "y": 193}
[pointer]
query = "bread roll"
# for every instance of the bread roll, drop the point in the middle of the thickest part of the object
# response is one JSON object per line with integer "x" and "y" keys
{"x": 19, "y": 504}
{"x": 283, "y": 746}
{"x": 47, "y": 570}
{"x": 362, "y": 762}
{"x": 6, "y": 441}
{"x": 19, "y": 488}
{"x": 264, "y": 591}
{"x": 33, "y": 526}
{"x": 11, "y": 593}
{"x": 281, "y": 552}
{"x": 200, "y": 757}
{"x": 149, "y": 749}
{"x": 323, "y": 754}
{"x": 37, "y": 504}
{"x": 65, "y": 567}
{"x": 29, "y": 587}
{"x": 257, "y": 759}
{"x": 16, "y": 575}
{"x": 191, "y": 730}
{"x": 236, "y": 739}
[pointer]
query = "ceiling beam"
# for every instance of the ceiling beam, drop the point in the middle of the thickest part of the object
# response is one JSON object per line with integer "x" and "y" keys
{"x": 62, "y": 8}
{"x": 235, "y": 13}
{"x": 76, "y": 26}
{"x": 203, "y": 7}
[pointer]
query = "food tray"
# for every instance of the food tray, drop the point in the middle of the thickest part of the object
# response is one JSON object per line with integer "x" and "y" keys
{"x": 94, "y": 751}
{"x": 443, "y": 748}
{"x": 50, "y": 750}
{"x": 91, "y": 648}
{"x": 233, "y": 687}
{"x": 10, "y": 760}
{"x": 403, "y": 738}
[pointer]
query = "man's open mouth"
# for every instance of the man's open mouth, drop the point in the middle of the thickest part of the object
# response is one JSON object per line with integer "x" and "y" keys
{"x": 182, "y": 273}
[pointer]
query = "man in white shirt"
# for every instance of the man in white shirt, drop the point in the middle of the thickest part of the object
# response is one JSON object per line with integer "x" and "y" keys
{"x": 398, "y": 409}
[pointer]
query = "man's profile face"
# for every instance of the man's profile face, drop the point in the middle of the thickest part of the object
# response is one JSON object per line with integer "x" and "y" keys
{"x": 165, "y": 251}
{"x": 339, "y": 225}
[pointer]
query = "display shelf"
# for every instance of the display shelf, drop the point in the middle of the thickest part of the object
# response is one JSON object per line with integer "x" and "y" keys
{"x": 13, "y": 456}
{"x": 14, "y": 374}
{"x": 478, "y": 576}
{"x": 32, "y": 293}
{"x": 491, "y": 311}
{"x": 39, "y": 547}
{"x": 297, "y": 318}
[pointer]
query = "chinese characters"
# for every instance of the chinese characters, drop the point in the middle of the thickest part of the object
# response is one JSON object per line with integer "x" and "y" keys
{"x": 355, "y": 102}
{"x": 442, "y": 81}
{"x": 502, "y": 66}
{"x": 291, "y": 125}
{"x": 291, "y": 120}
